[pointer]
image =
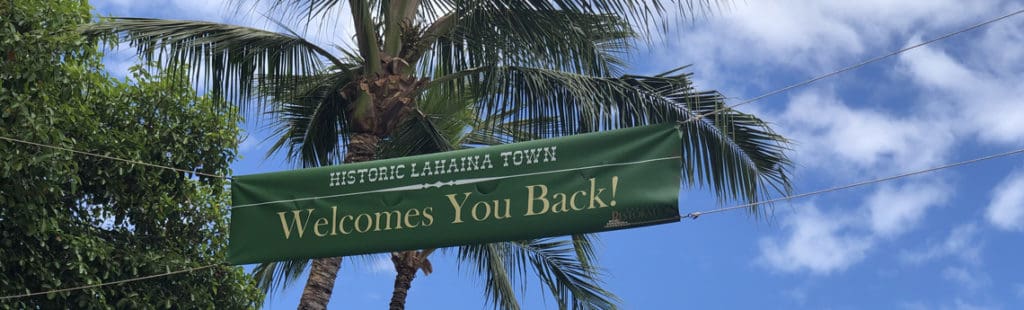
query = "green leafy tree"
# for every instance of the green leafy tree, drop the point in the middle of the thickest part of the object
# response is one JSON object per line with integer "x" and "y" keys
{"x": 550, "y": 66}
{"x": 68, "y": 220}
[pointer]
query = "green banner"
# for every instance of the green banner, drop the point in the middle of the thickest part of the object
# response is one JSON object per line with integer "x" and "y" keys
{"x": 578, "y": 184}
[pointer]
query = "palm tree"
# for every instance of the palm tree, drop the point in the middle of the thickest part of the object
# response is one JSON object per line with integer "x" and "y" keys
{"x": 565, "y": 267}
{"x": 523, "y": 60}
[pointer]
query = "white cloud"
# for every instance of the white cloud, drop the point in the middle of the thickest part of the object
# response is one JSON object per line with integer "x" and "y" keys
{"x": 830, "y": 134}
{"x": 984, "y": 97}
{"x": 809, "y": 36}
{"x": 333, "y": 27}
{"x": 975, "y": 92}
{"x": 1001, "y": 48}
{"x": 895, "y": 209}
{"x": 822, "y": 243}
{"x": 202, "y": 9}
{"x": 962, "y": 243}
{"x": 936, "y": 69}
{"x": 968, "y": 279}
{"x": 1006, "y": 209}
{"x": 817, "y": 242}
{"x": 212, "y": 10}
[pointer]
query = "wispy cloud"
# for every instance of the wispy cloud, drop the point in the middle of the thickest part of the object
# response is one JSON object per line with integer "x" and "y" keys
{"x": 823, "y": 243}
{"x": 333, "y": 28}
{"x": 967, "y": 278}
{"x": 806, "y": 36}
{"x": 976, "y": 93}
{"x": 831, "y": 133}
{"x": 963, "y": 243}
{"x": 817, "y": 242}
{"x": 212, "y": 10}
{"x": 1006, "y": 209}
{"x": 896, "y": 209}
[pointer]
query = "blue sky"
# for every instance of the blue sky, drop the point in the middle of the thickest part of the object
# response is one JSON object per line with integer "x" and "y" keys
{"x": 947, "y": 240}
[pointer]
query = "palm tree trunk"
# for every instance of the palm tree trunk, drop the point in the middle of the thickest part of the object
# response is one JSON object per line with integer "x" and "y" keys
{"x": 323, "y": 272}
{"x": 386, "y": 101}
{"x": 320, "y": 284}
{"x": 406, "y": 269}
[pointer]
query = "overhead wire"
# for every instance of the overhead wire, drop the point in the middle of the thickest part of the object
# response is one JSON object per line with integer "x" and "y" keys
{"x": 187, "y": 270}
{"x": 694, "y": 215}
{"x": 114, "y": 158}
{"x": 854, "y": 66}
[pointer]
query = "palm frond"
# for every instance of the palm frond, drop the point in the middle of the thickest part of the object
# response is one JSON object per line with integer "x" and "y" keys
{"x": 231, "y": 58}
{"x": 745, "y": 164}
{"x": 436, "y": 126}
{"x": 523, "y": 36}
{"x": 504, "y": 128}
{"x": 311, "y": 115}
{"x": 294, "y": 9}
{"x": 583, "y": 244}
{"x": 492, "y": 261}
{"x": 573, "y": 283}
{"x": 274, "y": 276}
{"x": 645, "y": 14}
{"x": 444, "y": 122}
{"x": 735, "y": 153}
{"x": 418, "y": 134}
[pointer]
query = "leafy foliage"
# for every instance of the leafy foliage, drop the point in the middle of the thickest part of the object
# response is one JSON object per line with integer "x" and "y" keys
{"x": 69, "y": 220}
